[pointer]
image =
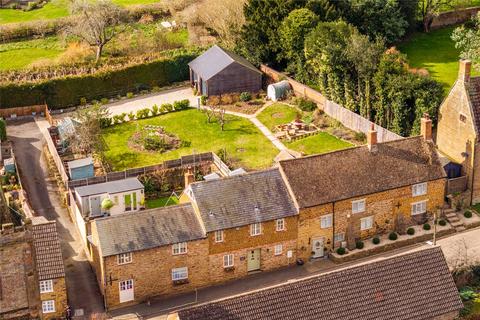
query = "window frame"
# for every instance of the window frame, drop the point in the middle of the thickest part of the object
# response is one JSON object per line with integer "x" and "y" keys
{"x": 46, "y": 288}
{"x": 228, "y": 260}
{"x": 257, "y": 227}
{"x": 415, "y": 204}
{"x": 179, "y": 248}
{"x": 50, "y": 304}
{"x": 182, "y": 270}
{"x": 277, "y": 252}
{"x": 336, "y": 235}
{"x": 423, "y": 187}
{"x": 282, "y": 224}
{"x": 221, "y": 238}
{"x": 356, "y": 202}
{"x": 369, "y": 218}
{"x": 328, "y": 218}
{"x": 124, "y": 258}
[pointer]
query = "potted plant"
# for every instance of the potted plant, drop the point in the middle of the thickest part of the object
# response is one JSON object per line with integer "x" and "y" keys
{"x": 107, "y": 204}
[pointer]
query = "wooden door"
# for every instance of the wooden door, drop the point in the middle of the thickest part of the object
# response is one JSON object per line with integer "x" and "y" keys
{"x": 317, "y": 248}
{"x": 253, "y": 260}
{"x": 126, "y": 292}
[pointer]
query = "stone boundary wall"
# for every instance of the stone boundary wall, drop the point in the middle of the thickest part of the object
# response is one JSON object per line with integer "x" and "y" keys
{"x": 454, "y": 17}
{"x": 348, "y": 118}
{"x": 455, "y": 185}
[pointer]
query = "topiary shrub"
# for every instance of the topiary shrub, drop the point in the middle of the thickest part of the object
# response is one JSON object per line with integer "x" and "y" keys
{"x": 359, "y": 244}
{"x": 181, "y": 105}
{"x": 245, "y": 96}
{"x": 393, "y": 236}
{"x": 467, "y": 214}
{"x": 442, "y": 222}
{"x": 376, "y": 240}
{"x": 426, "y": 226}
{"x": 166, "y": 107}
{"x": 155, "y": 110}
{"x": 410, "y": 231}
{"x": 143, "y": 113}
{"x": 341, "y": 251}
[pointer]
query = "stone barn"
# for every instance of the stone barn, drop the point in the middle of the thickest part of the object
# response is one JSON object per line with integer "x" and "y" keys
{"x": 218, "y": 71}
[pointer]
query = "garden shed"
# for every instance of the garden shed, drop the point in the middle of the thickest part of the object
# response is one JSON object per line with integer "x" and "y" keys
{"x": 218, "y": 71}
{"x": 278, "y": 91}
{"x": 81, "y": 168}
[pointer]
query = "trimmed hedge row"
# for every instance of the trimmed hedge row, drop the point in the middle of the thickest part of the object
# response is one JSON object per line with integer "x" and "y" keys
{"x": 69, "y": 91}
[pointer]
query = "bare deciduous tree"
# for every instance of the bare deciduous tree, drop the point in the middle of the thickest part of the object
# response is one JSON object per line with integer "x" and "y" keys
{"x": 221, "y": 117}
{"x": 96, "y": 22}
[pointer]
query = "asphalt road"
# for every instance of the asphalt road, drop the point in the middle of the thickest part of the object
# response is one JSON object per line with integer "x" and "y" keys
{"x": 83, "y": 292}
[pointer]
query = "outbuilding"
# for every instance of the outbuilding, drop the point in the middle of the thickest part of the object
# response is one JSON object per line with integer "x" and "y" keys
{"x": 81, "y": 168}
{"x": 218, "y": 71}
{"x": 278, "y": 91}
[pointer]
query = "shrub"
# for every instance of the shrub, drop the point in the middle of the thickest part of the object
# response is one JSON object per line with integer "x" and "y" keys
{"x": 341, "y": 251}
{"x": 245, "y": 96}
{"x": 155, "y": 110}
{"x": 83, "y": 101}
{"x": 214, "y": 100}
{"x": 166, "y": 107}
{"x": 104, "y": 101}
{"x": 105, "y": 122}
{"x": 181, "y": 105}
{"x": 359, "y": 244}
{"x": 131, "y": 116}
{"x": 442, "y": 222}
{"x": 129, "y": 95}
{"x": 467, "y": 214}
{"x": 31, "y": 6}
{"x": 410, "y": 231}
{"x": 426, "y": 226}
{"x": 376, "y": 240}
{"x": 3, "y": 130}
{"x": 305, "y": 105}
{"x": 156, "y": 89}
{"x": 203, "y": 100}
{"x": 227, "y": 99}
{"x": 143, "y": 113}
{"x": 393, "y": 236}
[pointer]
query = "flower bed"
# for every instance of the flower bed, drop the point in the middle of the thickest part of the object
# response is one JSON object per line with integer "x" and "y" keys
{"x": 472, "y": 222}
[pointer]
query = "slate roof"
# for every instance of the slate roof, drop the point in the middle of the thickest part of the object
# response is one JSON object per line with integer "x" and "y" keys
{"x": 353, "y": 172}
{"x": 148, "y": 229}
{"x": 80, "y": 163}
{"x": 413, "y": 286}
{"x": 117, "y": 186}
{"x": 49, "y": 260}
{"x": 231, "y": 202}
{"x": 474, "y": 93}
{"x": 215, "y": 60}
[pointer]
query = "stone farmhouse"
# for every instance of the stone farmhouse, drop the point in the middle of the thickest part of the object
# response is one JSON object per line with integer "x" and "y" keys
{"x": 226, "y": 228}
{"x": 393, "y": 288}
{"x": 458, "y": 128}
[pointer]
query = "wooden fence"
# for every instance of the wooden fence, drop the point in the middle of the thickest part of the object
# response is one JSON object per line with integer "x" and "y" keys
{"x": 56, "y": 158}
{"x": 348, "y": 118}
{"x": 22, "y": 111}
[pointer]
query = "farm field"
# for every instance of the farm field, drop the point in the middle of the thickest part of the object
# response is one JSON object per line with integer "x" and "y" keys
{"x": 242, "y": 141}
{"x": 53, "y": 10}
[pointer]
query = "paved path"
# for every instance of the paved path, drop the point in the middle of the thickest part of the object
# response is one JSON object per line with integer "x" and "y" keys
{"x": 453, "y": 247}
{"x": 169, "y": 96}
{"x": 43, "y": 196}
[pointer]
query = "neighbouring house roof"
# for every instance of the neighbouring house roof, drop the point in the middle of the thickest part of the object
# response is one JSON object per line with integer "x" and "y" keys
{"x": 215, "y": 60}
{"x": 243, "y": 199}
{"x": 148, "y": 229}
{"x": 80, "y": 163}
{"x": 412, "y": 286}
{"x": 357, "y": 171}
{"x": 474, "y": 93}
{"x": 110, "y": 187}
{"x": 48, "y": 253}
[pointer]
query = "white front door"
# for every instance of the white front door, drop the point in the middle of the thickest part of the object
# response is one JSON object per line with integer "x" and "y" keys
{"x": 126, "y": 290}
{"x": 317, "y": 248}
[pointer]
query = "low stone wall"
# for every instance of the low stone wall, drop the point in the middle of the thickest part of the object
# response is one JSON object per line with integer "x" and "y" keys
{"x": 357, "y": 254}
{"x": 451, "y": 18}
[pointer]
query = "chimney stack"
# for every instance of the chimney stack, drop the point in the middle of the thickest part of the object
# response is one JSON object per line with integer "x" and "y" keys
{"x": 372, "y": 138}
{"x": 464, "y": 70}
{"x": 426, "y": 127}
{"x": 189, "y": 177}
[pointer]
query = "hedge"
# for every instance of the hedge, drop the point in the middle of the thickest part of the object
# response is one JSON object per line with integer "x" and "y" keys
{"x": 68, "y": 91}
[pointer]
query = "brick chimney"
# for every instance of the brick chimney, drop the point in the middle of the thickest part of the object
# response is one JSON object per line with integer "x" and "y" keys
{"x": 464, "y": 70}
{"x": 426, "y": 127}
{"x": 189, "y": 177}
{"x": 372, "y": 138}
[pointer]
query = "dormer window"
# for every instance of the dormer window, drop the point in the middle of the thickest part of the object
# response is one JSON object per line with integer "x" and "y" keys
{"x": 255, "y": 229}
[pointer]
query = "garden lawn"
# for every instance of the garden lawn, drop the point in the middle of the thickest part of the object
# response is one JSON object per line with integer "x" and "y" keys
{"x": 276, "y": 114}
{"x": 161, "y": 202}
{"x": 241, "y": 139}
{"x": 53, "y": 10}
{"x": 320, "y": 143}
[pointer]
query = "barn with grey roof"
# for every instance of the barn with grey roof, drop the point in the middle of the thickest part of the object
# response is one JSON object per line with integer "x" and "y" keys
{"x": 218, "y": 71}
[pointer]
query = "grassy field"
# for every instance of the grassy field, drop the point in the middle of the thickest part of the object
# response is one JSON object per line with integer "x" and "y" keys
{"x": 319, "y": 143}
{"x": 161, "y": 202}
{"x": 434, "y": 51}
{"x": 276, "y": 114}
{"x": 52, "y": 10}
{"x": 241, "y": 139}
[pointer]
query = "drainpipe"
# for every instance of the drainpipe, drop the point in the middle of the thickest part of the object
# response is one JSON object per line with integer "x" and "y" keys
{"x": 333, "y": 226}
{"x": 473, "y": 171}
{"x": 104, "y": 284}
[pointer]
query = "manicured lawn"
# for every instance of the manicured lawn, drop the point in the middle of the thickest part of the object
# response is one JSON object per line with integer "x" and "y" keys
{"x": 52, "y": 10}
{"x": 320, "y": 143}
{"x": 434, "y": 51}
{"x": 241, "y": 139}
{"x": 161, "y": 202}
{"x": 276, "y": 114}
